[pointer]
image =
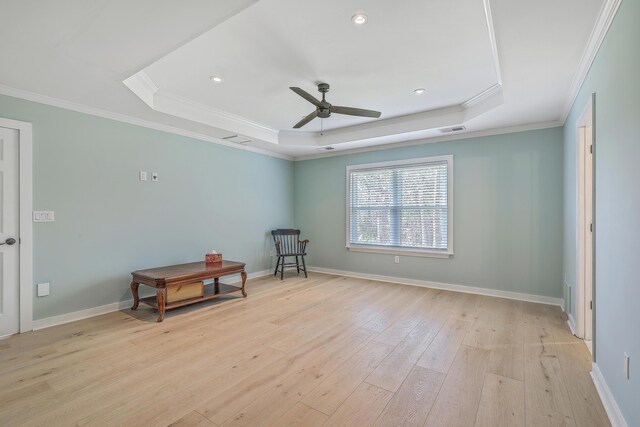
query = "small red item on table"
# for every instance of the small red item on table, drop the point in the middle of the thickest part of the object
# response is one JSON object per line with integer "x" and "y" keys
{"x": 213, "y": 258}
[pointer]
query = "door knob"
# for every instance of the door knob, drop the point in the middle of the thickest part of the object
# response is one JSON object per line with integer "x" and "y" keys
{"x": 10, "y": 241}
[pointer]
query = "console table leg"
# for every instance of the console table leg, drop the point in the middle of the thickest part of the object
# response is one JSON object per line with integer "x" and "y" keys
{"x": 216, "y": 285}
{"x": 161, "y": 295}
{"x": 134, "y": 291}
{"x": 244, "y": 279}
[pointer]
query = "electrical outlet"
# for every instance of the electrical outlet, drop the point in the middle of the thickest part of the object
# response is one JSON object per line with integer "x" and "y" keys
{"x": 626, "y": 365}
{"x": 43, "y": 289}
{"x": 143, "y": 175}
{"x": 154, "y": 176}
{"x": 396, "y": 259}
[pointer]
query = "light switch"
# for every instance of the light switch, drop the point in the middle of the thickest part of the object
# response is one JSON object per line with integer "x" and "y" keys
{"x": 154, "y": 176}
{"x": 43, "y": 289}
{"x": 43, "y": 216}
{"x": 143, "y": 175}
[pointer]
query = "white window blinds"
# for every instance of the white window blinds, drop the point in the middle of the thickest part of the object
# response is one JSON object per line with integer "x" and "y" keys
{"x": 400, "y": 204}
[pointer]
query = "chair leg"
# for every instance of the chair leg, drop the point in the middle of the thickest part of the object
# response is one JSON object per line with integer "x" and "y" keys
{"x": 277, "y": 264}
{"x": 297, "y": 264}
{"x": 304, "y": 266}
{"x": 282, "y": 269}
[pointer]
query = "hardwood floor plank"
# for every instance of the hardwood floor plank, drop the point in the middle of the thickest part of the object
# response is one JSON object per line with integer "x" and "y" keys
{"x": 337, "y": 387}
{"x": 414, "y": 313}
{"x": 299, "y": 373}
{"x": 411, "y": 404}
{"x": 362, "y": 408}
{"x": 575, "y": 361}
{"x": 498, "y": 327}
{"x": 394, "y": 368}
{"x": 193, "y": 419}
{"x": 501, "y": 403}
{"x": 458, "y": 400}
{"x": 546, "y": 396}
{"x": 442, "y": 350}
{"x": 301, "y": 415}
{"x": 396, "y": 310}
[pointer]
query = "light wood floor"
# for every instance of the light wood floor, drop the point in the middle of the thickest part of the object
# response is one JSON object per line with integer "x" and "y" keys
{"x": 327, "y": 350}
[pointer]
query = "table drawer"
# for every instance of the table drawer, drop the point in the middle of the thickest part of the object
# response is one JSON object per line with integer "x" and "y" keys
{"x": 183, "y": 292}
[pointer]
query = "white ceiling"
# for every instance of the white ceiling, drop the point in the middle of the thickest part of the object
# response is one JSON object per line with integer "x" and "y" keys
{"x": 523, "y": 54}
{"x": 275, "y": 44}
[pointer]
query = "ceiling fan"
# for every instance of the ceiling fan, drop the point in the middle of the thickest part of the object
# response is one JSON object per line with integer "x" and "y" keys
{"x": 324, "y": 109}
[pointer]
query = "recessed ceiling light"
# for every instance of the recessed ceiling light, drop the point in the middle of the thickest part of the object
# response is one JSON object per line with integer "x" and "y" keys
{"x": 216, "y": 79}
{"x": 419, "y": 91}
{"x": 359, "y": 19}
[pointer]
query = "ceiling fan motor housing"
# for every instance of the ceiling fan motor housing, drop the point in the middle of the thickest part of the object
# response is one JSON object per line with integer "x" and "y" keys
{"x": 323, "y": 87}
{"x": 324, "y": 110}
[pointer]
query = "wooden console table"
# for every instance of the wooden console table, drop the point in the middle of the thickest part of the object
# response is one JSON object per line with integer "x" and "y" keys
{"x": 175, "y": 275}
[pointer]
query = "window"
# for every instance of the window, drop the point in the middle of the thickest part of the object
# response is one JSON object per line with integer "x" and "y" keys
{"x": 401, "y": 207}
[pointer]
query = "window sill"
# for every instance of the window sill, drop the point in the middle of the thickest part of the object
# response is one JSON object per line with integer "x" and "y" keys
{"x": 400, "y": 251}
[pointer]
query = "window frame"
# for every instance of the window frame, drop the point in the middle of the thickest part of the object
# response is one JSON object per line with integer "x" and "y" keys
{"x": 400, "y": 250}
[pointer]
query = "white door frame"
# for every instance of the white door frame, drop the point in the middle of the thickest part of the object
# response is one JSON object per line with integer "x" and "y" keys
{"x": 584, "y": 230}
{"x": 25, "y": 148}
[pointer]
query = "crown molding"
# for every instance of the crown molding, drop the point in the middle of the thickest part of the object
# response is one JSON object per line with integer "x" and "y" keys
{"x": 422, "y": 141}
{"x": 483, "y": 96}
{"x": 492, "y": 40}
{"x": 142, "y": 85}
{"x": 599, "y": 32}
{"x": 124, "y": 118}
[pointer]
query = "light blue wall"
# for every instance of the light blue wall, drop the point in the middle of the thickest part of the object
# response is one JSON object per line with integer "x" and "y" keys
{"x": 615, "y": 78}
{"x": 507, "y": 213}
{"x": 108, "y": 223}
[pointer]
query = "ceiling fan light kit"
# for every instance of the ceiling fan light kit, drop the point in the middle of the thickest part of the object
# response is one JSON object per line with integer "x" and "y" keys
{"x": 324, "y": 109}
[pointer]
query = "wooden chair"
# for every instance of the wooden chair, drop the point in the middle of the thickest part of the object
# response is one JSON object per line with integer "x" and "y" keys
{"x": 288, "y": 244}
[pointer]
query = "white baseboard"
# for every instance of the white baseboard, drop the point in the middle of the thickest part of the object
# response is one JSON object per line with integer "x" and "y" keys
{"x": 61, "y": 319}
{"x": 446, "y": 286}
{"x": 610, "y": 405}
{"x": 6, "y": 337}
{"x": 572, "y": 324}
{"x": 116, "y": 306}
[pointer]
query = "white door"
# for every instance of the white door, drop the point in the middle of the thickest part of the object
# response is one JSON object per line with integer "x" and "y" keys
{"x": 588, "y": 232}
{"x": 9, "y": 226}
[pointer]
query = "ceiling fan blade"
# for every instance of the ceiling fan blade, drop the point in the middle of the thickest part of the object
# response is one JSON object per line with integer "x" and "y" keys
{"x": 306, "y": 120}
{"x": 306, "y": 96}
{"x": 355, "y": 111}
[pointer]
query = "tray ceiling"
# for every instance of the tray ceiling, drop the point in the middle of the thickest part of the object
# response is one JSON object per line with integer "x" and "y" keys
{"x": 444, "y": 46}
